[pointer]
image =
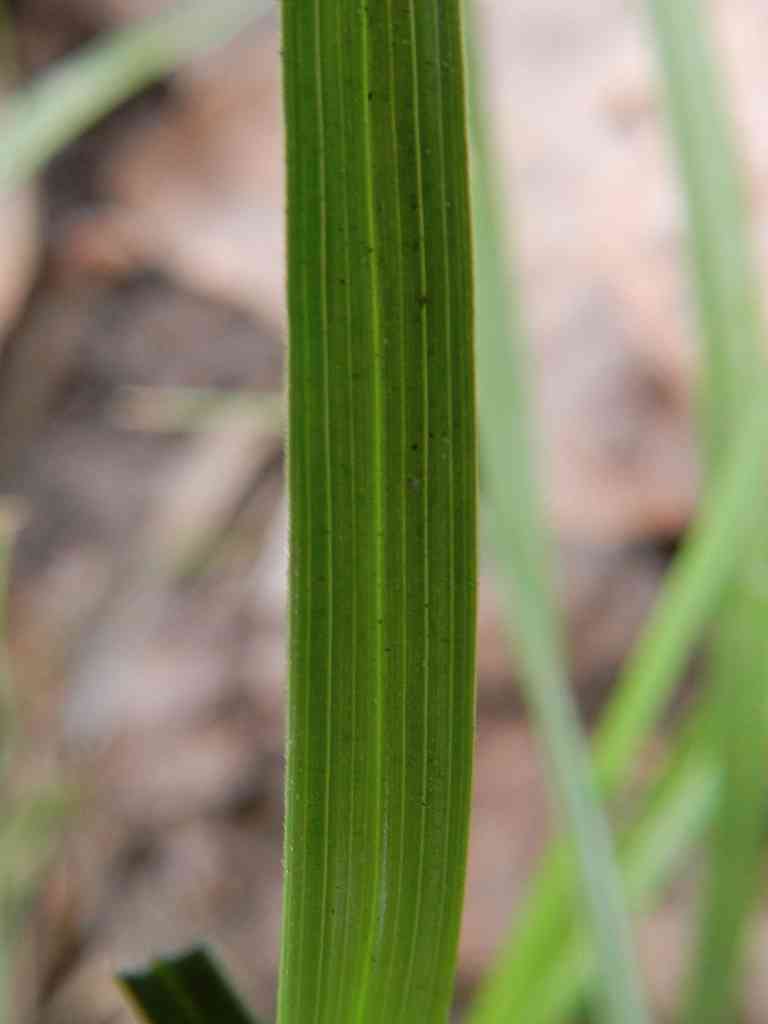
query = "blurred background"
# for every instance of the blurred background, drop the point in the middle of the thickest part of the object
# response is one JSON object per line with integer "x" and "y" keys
{"x": 142, "y": 333}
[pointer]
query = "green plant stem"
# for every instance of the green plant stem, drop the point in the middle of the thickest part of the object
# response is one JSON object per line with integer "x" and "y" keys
{"x": 43, "y": 117}
{"x": 522, "y": 547}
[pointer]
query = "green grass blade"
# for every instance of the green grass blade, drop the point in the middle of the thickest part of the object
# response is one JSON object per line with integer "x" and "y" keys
{"x": 692, "y": 592}
{"x": 522, "y": 548}
{"x": 382, "y": 482}
{"x": 7, "y": 42}
{"x": 682, "y": 804}
{"x": 734, "y": 376}
{"x": 675, "y": 819}
{"x": 739, "y": 735}
{"x": 185, "y": 989}
{"x": 726, "y": 289}
{"x": 694, "y": 586}
{"x": 43, "y": 117}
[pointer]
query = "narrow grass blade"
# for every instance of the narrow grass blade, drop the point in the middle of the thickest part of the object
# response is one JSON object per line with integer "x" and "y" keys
{"x": 522, "y": 547}
{"x": 726, "y": 289}
{"x": 694, "y": 586}
{"x": 734, "y": 376}
{"x": 382, "y": 481}
{"x": 675, "y": 818}
{"x": 185, "y": 989}
{"x": 692, "y": 592}
{"x": 43, "y": 117}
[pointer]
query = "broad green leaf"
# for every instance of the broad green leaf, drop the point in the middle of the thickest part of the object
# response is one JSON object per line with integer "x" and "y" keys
{"x": 187, "y": 988}
{"x": 382, "y": 482}
{"x": 43, "y": 117}
{"x": 734, "y": 377}
{"x": 522, "y": 546}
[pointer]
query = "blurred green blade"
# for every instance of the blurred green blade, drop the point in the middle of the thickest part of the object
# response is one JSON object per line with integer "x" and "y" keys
{"x": 185, "y": 989}
{"x": 43, "y": 117}
{"x": 522, "y": 547}
{"x": 382, "y": 481}
{"x": 734, "y": 377}
{"x": 694, "y": 585}
{"x": 676, "y": 816}
{"x": 726, "y": 289}
{"x": 738, "y": 735}
{"x": 681, "y": 806}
